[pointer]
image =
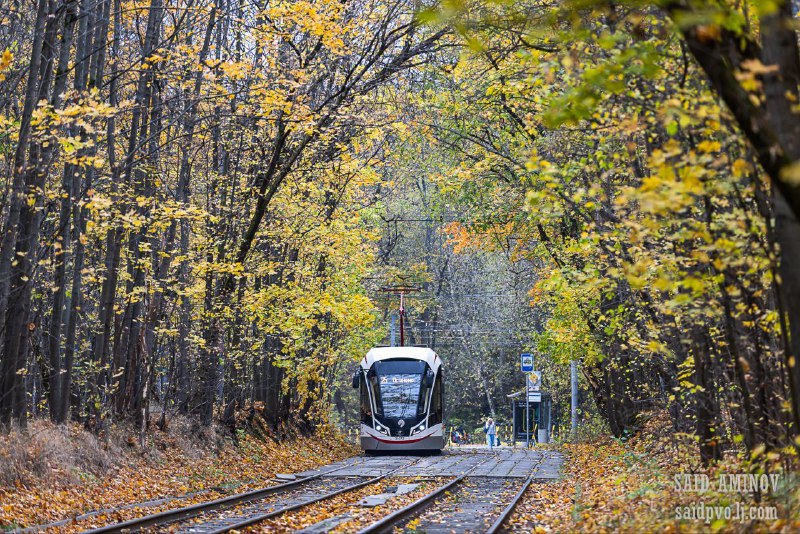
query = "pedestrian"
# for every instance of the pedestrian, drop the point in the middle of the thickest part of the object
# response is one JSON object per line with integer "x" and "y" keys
{"x": 491, "y": 432}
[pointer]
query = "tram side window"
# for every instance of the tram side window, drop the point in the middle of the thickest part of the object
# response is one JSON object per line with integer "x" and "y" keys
{"x": 437, "y": 404}
{"x": 366, "y": 409}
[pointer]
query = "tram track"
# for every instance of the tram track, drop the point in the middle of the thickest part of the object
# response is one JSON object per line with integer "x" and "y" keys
{"x": 476, "y": 501}
{"x": 470, "y": 502}
{"x": 386, "y": 524}
{"x": 509, "y": 509}
{"x": 468, "y": 511}
{"x": 188, "y": 512}
{"x": 245, "y": 509}
{"x": 252, "y": 518}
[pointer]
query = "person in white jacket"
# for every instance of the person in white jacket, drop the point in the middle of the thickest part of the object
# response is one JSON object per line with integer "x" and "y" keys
{"x": 491, "y": 432}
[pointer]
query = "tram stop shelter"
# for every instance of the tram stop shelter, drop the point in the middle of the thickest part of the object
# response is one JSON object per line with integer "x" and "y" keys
{"x": 539, "y": 424}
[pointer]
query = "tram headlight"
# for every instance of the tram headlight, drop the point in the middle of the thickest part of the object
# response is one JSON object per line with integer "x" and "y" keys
{"x": 419, "y": 428}
{"x": 382, "y": 429}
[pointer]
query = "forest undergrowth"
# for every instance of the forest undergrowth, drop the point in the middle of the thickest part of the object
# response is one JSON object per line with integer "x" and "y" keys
{"x": 50, "y": 473}
{"x": 630, "y": 486}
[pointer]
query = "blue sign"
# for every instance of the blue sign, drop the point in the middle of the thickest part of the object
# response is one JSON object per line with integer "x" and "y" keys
{"x": 526, "y": 362}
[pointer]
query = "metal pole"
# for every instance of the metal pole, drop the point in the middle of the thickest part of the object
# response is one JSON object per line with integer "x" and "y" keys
{"x": 574, "y": 401}
{"x": 392, "y": 341}
{"x": 514, "y": 423}
{"x": 402, "y": 314}
{"x": 527, "y": 413}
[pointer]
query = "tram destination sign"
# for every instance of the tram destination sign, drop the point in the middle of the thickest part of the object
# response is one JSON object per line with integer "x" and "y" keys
{"x": 526, "y": 362}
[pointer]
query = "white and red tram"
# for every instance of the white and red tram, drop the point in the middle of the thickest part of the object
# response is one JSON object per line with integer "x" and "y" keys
{"x": 402, "y": 400}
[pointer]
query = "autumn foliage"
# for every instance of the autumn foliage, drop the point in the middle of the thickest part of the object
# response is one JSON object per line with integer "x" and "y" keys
{"x": 182, "y": 218}
{"x": 200, "y": 198}
{"x": 602, "y": 147}
{"x": 614, "y": 486}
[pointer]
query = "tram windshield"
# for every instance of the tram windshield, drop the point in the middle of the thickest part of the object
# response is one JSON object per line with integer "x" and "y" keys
{"x": 400, "y": 385}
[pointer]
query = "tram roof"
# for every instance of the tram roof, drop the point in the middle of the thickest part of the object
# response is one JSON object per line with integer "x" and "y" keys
{"x": 416, "y": 353}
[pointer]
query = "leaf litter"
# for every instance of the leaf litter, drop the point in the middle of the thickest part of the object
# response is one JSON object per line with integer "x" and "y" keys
{"x": 164, "y": 475}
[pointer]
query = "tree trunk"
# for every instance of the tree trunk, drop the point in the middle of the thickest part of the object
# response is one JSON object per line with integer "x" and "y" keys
{"x": 61, "y": 252}
{"x": 12, "y": 401}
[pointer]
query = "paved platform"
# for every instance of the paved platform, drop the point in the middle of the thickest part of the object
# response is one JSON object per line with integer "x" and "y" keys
{"x": 503, "y": 462}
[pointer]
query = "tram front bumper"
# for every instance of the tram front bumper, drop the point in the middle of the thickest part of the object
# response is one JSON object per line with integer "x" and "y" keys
{"x": 428, "y": 443}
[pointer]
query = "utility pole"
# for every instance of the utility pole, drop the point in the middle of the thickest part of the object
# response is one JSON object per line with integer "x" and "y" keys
{"x": 573, "y": 367}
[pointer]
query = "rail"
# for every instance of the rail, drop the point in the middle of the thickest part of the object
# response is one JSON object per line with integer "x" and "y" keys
{"x": 268, "y": 515}
{"x": 187, "y": 512}
{"x": 506, "y": 513}
{"x": 194, "y": 510}
{"x": 415, "y": 507}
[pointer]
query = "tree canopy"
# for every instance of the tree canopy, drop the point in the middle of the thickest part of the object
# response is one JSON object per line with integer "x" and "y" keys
{"x": 202, "y": 198}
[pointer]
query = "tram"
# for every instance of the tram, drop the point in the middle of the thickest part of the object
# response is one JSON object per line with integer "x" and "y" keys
{"x": 401, "y": 393}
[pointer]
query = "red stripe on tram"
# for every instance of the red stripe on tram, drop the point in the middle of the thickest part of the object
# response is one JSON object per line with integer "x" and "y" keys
{"x": 398, "y": 441}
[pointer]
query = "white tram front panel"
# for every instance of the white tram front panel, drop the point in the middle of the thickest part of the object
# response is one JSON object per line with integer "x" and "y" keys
{"x": 401, "y": 399}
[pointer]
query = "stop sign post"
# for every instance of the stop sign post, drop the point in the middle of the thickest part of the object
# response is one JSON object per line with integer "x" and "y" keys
{"x": 526, "y": 365}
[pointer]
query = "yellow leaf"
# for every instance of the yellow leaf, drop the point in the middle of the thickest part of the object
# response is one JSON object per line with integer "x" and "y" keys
{"x": 791, "y": 173}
